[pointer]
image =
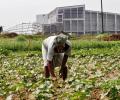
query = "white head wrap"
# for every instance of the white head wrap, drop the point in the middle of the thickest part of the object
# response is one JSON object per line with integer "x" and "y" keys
{"x": 61, "y": 38}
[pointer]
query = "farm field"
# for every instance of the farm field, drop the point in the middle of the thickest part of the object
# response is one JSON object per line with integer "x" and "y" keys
{"x": 94, "y": 71}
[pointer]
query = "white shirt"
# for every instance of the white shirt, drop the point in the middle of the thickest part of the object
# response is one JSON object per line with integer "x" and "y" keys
{"x": 48, "y": 48}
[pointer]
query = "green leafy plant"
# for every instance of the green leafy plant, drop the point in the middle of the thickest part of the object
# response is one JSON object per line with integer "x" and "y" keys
{"x": 21, "y": 38}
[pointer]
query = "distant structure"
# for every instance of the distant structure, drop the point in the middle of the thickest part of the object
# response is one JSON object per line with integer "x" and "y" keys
{"x": 72, "y": 19}
{"x": 25, "y": 28}
{"x": 1, "y": 29}
{"x": 76, "y": 19}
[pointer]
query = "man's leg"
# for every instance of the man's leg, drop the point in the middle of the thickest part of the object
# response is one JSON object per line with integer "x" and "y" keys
{"x": 46, "y": 72}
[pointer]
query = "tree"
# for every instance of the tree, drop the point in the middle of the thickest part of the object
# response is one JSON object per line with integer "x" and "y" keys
{"x": 1, "y": 29}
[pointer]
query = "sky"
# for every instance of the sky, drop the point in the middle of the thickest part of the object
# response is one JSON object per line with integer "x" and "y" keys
{"x": 13, "y": 12}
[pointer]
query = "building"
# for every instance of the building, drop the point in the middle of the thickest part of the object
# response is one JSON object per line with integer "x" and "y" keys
{"x": 76, "y": 19}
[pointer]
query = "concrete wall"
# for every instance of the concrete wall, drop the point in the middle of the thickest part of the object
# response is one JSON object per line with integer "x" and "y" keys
{"x": 52, "y": 17}
{"x": 76, "y": 19}
{"x": 42, "y": 19}
{"x": 93, "y": 22}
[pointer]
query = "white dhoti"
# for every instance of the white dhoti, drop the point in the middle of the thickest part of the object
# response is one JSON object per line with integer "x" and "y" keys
{"x": 57, "y": 58}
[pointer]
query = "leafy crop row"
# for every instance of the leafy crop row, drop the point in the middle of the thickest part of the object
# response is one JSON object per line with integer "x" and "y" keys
{"x": 89, "y": 77}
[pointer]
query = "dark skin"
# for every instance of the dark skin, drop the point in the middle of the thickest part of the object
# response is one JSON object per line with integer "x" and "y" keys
{"x": 57, "y": 49}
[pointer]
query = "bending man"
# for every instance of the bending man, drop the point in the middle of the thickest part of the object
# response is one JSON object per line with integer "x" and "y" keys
{"x": 55, "y": 52}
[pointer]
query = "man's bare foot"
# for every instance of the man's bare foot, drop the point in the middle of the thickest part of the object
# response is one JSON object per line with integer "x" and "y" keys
{"x": 54, "y": 78}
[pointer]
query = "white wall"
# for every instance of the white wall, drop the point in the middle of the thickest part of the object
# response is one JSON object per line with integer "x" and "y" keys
{"x": 42, "y": 19}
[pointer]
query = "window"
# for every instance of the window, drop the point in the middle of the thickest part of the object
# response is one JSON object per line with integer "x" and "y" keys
{"x": 80, "y": 26}
{"x": 60, "y": 11}
{"x": 74, "y": 12}
{"x": 80, "y": 12}
{"x": 66, "y": 26}
{"x": 59, "y": 18}
{"x": 74, "y": 25}
{"x": 67, "y": 13}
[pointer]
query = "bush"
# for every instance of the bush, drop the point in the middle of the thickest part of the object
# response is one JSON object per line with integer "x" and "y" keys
{"x": 113, "y": 37}
{"x": 21, "y": 38}
{"x": 108, "y": 37}
{"x": 102, "y": 36}
{"x": 4, "y": 52}
{"x": 9, "y": 35}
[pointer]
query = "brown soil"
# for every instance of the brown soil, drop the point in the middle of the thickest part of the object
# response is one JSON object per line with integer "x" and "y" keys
{"x": 113, "y": 37}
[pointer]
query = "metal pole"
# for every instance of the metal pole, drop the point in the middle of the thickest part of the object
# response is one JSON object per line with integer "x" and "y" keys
{"x": 102, "y": 16}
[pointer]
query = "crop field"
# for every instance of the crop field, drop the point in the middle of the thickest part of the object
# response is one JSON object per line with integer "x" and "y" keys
{"x": 93, "y": 71}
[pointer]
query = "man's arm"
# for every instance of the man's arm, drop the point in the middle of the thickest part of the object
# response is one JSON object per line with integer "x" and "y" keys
{"x": 63, "y": 70}
{"x": 49, "y": 60}
{"x": 64, "y": 60}
{"x": 51, "y": 70}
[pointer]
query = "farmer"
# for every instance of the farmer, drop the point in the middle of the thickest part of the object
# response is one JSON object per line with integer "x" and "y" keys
{"x": 55, "y": 52}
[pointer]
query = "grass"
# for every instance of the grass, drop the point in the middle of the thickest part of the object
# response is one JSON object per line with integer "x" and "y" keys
{"x": 15, "y": 45}
{"x": 80, "y": 47}
{"x": 85, "y": 44}
{"x": 27, "y": 43}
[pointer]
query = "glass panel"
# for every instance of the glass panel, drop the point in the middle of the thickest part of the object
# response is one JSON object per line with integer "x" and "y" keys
{"x": 118, "y": 22}
{"x": 67, "y": 13}
{"x": 60, "y": 11}
{"x": 94, "y": 22}
{"x": 110, "y": 22}
{"x": 74, "y": 12}
{"x": 59, "y": 16}
{"x": 67, "y": 26}
{"x": 87, "y": 22}
{"x": 74, "y": 25}
{"x": 80, "y": 12}
{"x": 59, "y": 20}
{"x": 80, "y": 26}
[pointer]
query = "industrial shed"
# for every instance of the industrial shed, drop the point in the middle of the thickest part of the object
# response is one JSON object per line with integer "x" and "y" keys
{"x": 76, "y": 19}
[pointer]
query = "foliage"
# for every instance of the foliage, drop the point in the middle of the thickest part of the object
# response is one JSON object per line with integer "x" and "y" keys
{"x": 15, "y": 45}
{"x": 30, "y": 43}
{"x": 89, "y": 77}
{"x": 4, "y": 52}
{"x": 78, "y": 44}
{"x": 93, "y": 71}
{"x": 8, "y": 35}
{"x": 21, "y": 38}
{"x": 102, "y": 36}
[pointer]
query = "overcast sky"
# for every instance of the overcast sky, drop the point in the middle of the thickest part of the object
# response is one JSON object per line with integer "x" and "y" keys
{"x": 14, "y": 12}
